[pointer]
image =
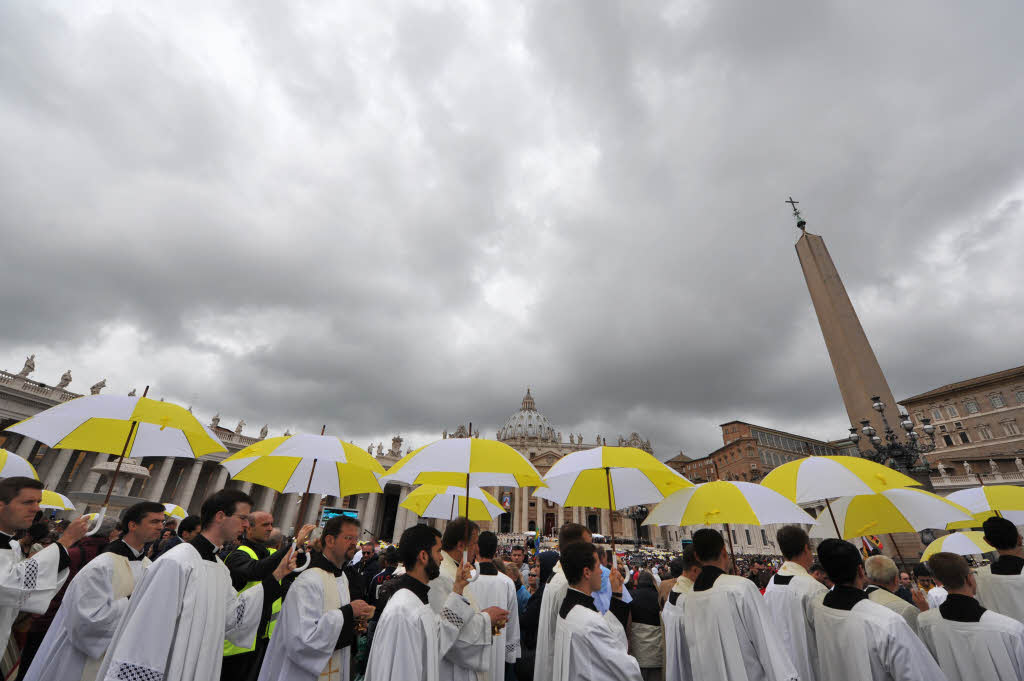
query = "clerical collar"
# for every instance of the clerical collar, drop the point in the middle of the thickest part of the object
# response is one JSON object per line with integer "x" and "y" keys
{"x": 206, "y": 549}
{"x": 673, "y": 596}
{"x": 414, "y": 585}
{"x": 5, "y": 540}
{"x": 706, "y": 579}
{"x": 960, "y": 608}
{"x": 488, "y": 569}
{"x": 844, "y": 597}
{"x": 574, "y": 598}
{"x": 782, "y": 580}
{"x": 121, "y": 548}
{"x": 320, "y": 561}
{"x": 1008, "y": 565}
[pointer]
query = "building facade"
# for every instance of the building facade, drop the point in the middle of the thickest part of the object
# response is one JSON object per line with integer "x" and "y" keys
{"x": 979, "y": 429}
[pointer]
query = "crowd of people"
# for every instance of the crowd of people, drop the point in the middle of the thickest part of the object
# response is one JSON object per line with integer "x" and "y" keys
{"x": 223, "y": 595}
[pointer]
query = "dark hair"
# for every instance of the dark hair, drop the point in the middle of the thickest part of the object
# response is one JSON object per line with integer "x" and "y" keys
{"x": 840, "y": 560}
{"x": 224, "y": 500}
{"x": 689, "y": 558}
{"x": 11, "y": 487}
{"x": 135, "y": 514}
{"x": 189, "y": 524}
{"x": 456, "y": 531}
{"x": 1000, "y": 533}
{"x": 815, "y": 567}
{"x": 950, "y": 569}
{"x": 517, "y": 547}
{"x": 571, "y": 533}
{"x": 488, "y": 544}
{"x": 708, "y": 544}
{"x": 332, "y": 528}
{"x": 676, "y": 567}
{"x": 390, "y": 555}
{"x": 39, "y": 530}
{"x": 415, "y": 539}
{"x": 575, "y": 558}
{"x": 792, "y": 540}
{"x": 645, "y": 579}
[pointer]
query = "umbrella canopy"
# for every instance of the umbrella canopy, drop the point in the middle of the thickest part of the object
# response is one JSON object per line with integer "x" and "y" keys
{"x": 824, "y": 477}
{"x": 126, "y": 426}
{"x": 175, "y": 511}
{"x": 465, "y": 462}
{"x": 978, "y": 519}
{"x": 55, "y": 500}
{"x": 963, "y": 543}
{"x": 448, "y": 502}
{"x": 610, "y": 477}
{"x": 743, "y": 503}
{"x": 317, "y": 464}
{"x": 894, "y": 510}
{"x": 990, "y": 498}
{"x": 12, "y": 465}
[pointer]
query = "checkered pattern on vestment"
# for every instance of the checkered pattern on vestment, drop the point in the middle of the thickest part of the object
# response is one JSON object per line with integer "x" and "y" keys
{"x": 31, "y": 573}
{"x": 133, "y": 672}
{"x": 452, "y": 617}
{"x": 239, "y": 612}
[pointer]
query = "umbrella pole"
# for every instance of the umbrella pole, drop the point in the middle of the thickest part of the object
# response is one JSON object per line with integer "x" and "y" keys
{"x": 611, "y": 510}
{"x": 732, "y": 552}
{"x": 839, "y": 535}
{"x": 899, "y": 554}
{"x": 309, "y": 483}
{"x": 117, "y": 469}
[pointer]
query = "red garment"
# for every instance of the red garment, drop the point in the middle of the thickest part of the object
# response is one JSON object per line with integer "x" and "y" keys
{"x": 79, "y": 554}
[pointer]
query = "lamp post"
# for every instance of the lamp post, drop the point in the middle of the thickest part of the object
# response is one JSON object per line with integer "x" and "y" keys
{"x": 638, "y": 514}
{"x": 907, "y": 455}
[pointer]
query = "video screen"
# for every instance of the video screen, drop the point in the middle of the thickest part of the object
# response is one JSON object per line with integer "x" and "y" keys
{"x": 331, "y": 512}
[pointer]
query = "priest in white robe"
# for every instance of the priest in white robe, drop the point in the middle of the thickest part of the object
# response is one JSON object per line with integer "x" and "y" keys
{"x": 677, "y": 654}
{"x": 410, "y": 638}
{"x": 858, "y": 639}
{"x": 317, "y": 625}
{"x": 590, "y": 646}
{"x": 185, "y": 606}
{"x": 789, "y": 596}
{"x": 969, "y": 641}
{"x": 729, "y": 631}
{"x": 495, "y": 589}
{"x": 1001, "y": 583}
{"x": 28, "y": 585}
{"x": 470, "y": 654}
{"x": 96, "y": 601}
{"x": 551, "y": 603}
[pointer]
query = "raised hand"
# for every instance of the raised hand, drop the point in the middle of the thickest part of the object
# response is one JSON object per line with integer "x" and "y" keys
{"x": 462, "y": 577}
{"x": 74, "y": 532}
{"x": 286, "y": 566}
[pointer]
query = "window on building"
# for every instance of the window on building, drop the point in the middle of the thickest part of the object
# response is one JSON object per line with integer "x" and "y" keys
{"x": 957, "y": 424}
{"x": 749, "y": 543}
{"x": 764, "y": 538}
{"x": 984, "y": 432}
{"x": 1020, "y": 397}
{"x": 919, "y": 417}
{"x": 951, "y": 410}
{"x": 936, "y": 414}
{"x": 948, "y": 439}
{"x": 734, "y": 539}
{"x": 972, "y": 406}
{"x": 997, "y": 401}
{"x": 1011, "y": 428}
{"x": 964, "y": 438}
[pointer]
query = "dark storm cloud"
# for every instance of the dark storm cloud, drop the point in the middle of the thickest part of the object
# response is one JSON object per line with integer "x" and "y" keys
{"x": 393, "y": 218}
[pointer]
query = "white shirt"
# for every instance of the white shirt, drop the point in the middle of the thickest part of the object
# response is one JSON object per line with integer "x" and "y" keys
{"x": 991, "y": 648}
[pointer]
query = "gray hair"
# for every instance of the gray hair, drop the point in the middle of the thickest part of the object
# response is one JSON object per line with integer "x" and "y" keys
{"x": 881, "y": 569}
{"x": 276, "y": 539}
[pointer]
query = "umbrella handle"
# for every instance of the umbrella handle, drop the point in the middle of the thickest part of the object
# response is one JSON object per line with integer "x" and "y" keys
{"x": 99, "y": 521}
{"x": 304, "y": 565}
{"x": 474, "y": 575}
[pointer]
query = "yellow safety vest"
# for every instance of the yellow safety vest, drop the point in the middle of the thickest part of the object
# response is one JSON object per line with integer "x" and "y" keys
{"x": 275, "y": 610}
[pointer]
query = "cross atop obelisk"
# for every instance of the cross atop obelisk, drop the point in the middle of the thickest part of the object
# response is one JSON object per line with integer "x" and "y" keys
{"x": 800, "y": 222}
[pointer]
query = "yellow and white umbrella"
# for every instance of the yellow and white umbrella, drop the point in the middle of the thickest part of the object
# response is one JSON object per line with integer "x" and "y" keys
{"x": 990, "y": 498}
{"x": 963, "y": 543}
{"x": 56, "y": 501}
{"x": 978, "y": 519}
{"x": 175, "y": 511}
{"x": 121, "y": 425}
{"x": 12, "y": 465}
{"x": 726, "y": 503}
{"x": 449, "y": 502}
{"x": 894, "y": 510}
{"x": 825, "y": 477}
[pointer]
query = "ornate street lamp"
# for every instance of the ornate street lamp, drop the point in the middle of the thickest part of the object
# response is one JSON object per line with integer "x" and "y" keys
{"x": 638, "y": 514}
{"x": 908, "y": 455}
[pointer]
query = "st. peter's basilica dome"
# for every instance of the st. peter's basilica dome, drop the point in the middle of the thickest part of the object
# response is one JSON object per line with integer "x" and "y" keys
{"x": 527, "y": 423}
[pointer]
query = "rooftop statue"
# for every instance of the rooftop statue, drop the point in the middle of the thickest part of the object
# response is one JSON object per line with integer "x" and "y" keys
{"x": 65, "y": 380}
{"x": 97, "y": 387}
{"x": 30, "y": 366}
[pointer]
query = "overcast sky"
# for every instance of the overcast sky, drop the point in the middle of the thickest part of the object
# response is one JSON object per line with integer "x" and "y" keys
{"x": 393, "y": 217}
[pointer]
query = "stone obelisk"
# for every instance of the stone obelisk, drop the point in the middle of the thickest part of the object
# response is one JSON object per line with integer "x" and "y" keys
{"x": 857, "y": 370}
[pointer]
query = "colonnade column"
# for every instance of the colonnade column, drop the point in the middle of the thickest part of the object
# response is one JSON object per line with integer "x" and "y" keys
{"x": 289, "y": 512}
{"x": 57, "y": 466}
{"x": 606, "y": 525}
{"x": 24, "y": 449}
{"x": 185, "y": 492}
{"x": 370, "y": 521}
{"x": 156, "y": 483}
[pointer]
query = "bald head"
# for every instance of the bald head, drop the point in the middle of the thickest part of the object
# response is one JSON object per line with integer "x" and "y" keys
{"x": 261, "y": 524}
